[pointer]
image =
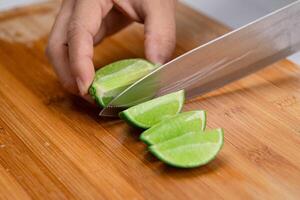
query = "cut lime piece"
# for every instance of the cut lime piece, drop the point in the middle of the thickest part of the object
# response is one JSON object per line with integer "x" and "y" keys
{"x": 190, "y": 150}
{"x": 175, "y": 126}
{"x": 112, "y": 79}
{"x": 149, "y": 113}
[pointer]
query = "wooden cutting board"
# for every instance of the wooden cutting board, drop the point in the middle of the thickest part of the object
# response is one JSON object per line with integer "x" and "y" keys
{"x": 54, "y": 146}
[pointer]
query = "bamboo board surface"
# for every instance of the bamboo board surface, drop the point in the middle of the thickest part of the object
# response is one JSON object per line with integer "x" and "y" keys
{"x": 54, "y": 146}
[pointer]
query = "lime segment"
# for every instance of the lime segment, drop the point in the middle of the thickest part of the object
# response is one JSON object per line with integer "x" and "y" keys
{"x": 112, "y": 79}
{"x": 147, "y": 114}
{"x": 175, "y": 126}
{"x": 190, "y": 150}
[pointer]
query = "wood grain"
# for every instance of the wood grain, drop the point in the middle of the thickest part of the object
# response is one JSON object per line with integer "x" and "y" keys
{"x": 54, "y": 146}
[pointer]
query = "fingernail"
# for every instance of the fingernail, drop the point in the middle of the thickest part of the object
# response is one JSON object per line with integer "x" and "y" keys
{"x": 81, "y": 86}
{"x": 153, "y": 55}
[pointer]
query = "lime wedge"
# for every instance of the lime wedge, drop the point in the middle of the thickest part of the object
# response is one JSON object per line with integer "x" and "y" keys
{"x": 190, "y": 150}
{"x": 149, "y": 113}
{"x": 175, "y": 126}
{"x": 112, "y": 79}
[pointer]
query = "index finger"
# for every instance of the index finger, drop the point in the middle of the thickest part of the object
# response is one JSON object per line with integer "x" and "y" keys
{"x": 57, "y": 51}
{"x": 84, "y": 24}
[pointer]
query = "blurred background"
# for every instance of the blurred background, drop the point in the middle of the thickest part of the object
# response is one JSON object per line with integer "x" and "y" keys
{"x": 233, "y": 13}
{"x": 236, "y": 13}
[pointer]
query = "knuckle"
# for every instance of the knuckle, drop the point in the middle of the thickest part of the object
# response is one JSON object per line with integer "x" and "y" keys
{"x": 74, "y": 29}
{"x": 163, "y": 39}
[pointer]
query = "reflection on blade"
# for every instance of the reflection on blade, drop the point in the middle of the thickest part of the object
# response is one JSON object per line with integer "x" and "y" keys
{"x": 221, "y": 61}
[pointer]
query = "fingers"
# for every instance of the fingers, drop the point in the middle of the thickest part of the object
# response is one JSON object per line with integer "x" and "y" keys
{"x": 57, "y": 51}
{"x": 81, "y": 23}
{"x": 70, "y": 47}
{"x": 84, "y": 24}
{"x": 112, "y": 23}
{"x": 160, "y": 30}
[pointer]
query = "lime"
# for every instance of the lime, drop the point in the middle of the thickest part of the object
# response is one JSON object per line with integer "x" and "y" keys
{"x": 149, "y": 113}
{"x": 175, "y": 126}
{"x": 112, "y": 79}
{"x": 192, "y": 149}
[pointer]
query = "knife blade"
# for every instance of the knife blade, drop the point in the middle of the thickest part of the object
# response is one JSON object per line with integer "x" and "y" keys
{"x": 220, "y": 61}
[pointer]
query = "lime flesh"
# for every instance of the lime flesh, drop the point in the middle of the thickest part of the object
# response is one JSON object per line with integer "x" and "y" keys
{"x": 175, "y": 126}
{"x": 112, "y": 79}
{"x": 149, "y": 113}
{"x": 190, "y": 150}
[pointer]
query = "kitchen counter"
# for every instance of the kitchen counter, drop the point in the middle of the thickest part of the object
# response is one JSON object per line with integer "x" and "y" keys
{"x": 54, "y": 145}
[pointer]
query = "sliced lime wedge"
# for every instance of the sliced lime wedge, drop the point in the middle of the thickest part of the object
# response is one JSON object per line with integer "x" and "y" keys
{"x": 112, "y": 79}
{"x": 175, "y": 126}
{"x": 190, "y": 150}
{"x": 149, "y": 113}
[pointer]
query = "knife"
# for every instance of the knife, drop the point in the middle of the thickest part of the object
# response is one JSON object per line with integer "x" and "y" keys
{"x": 220, "y": 61}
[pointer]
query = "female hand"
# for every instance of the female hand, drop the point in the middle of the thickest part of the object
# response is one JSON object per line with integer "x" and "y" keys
{"x": 81, "y": 24}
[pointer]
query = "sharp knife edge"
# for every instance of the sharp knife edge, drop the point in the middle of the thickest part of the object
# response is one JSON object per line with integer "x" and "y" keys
{"x": 261, "y": 43}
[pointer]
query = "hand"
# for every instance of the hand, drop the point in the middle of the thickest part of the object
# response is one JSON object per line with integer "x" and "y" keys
{"x": 81, "y": 24}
